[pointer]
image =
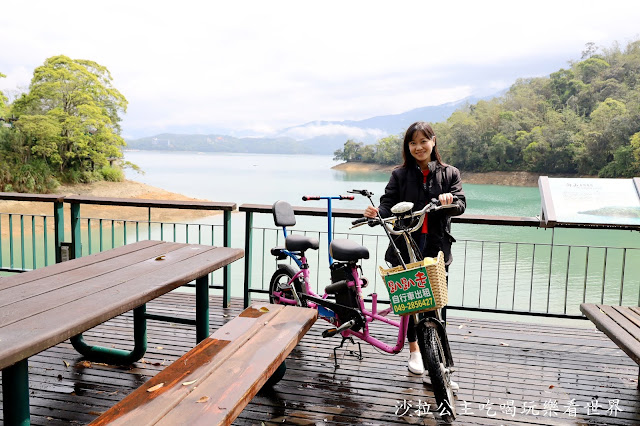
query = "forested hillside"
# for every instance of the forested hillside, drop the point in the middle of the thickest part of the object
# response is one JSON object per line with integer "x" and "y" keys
{"x": 581, "y": 120}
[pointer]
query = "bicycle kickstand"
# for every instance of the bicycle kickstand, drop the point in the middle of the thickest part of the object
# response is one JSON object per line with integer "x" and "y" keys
{"x": 358, "y": 355}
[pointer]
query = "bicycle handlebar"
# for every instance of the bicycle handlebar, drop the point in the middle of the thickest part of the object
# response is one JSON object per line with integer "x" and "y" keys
{"x": 318, "y": 197}
{"x": 360, "y": 220}
{"x": 389, "y": 222}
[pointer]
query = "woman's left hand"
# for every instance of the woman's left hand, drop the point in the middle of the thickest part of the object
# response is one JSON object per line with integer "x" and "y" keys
{"x": 446, "y": 199}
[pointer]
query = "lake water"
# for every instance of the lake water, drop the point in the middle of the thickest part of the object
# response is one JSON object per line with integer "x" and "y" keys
{"x": 264, "y": 178}
{"x": 495, "y": 266}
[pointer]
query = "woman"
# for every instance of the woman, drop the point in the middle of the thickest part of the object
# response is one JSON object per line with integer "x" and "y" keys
{"x": 422, "y": 177}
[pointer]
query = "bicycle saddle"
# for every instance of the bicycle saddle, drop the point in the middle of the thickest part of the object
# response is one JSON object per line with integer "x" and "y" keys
{"x": 347, "y": 250}
{"x": 301, "y": 243}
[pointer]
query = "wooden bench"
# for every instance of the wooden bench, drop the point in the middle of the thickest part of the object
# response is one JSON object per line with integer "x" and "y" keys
{"x": 213, "y": 382}
{"x": 620, "y": 323}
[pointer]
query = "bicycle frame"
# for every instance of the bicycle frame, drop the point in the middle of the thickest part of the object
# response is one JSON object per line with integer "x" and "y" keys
{"x": 369, "y": 315}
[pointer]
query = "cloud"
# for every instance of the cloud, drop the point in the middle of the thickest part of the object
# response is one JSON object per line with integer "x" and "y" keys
{"x": 312, "y": 130}
{"x": 255, "y": 65}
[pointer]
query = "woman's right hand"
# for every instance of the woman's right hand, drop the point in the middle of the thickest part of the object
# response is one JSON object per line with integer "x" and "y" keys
{"x": 370, "y": 212}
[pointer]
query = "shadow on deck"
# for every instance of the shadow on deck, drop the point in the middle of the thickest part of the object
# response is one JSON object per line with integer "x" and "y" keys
{"x": 508, "y": 372}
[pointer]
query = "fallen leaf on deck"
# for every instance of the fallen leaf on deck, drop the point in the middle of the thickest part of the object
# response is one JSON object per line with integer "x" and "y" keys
{"x": 189, "y": 383}
{"x": 504, "y": 344}
{"x": 203, "y": 399}
{"x": 552, "y": 386}
{"x": 225, "y": 315}
{"x": 465, "y": 337}
{"x": 85, "y": 364}
{"x": 66, "y": 364}
{"x": 264, "y": 309}
{"x": 160, "y": 257}
{"x": 159, "y": 347}
{"x": 461, "y": 326}
{"x": 95, "y": 413}
{"x": 155, "y": 388}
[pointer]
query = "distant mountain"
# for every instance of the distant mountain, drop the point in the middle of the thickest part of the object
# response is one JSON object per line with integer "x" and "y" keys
{"x": 218, "y": 143}
{"x": 316, "y": 137}
{"x": 324, "y": 137}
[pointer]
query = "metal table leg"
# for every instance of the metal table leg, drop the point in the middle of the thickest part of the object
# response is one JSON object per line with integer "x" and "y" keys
{"x": 15, "y": 394}
{"x": 118, "y": 356}
{"x": 202, "y": 308}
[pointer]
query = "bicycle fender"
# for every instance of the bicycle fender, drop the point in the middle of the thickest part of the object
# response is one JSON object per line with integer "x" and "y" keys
{"x": 442, "y": 333}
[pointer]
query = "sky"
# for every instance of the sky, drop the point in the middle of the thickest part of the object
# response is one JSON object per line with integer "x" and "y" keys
{"x": 252, "y": 67}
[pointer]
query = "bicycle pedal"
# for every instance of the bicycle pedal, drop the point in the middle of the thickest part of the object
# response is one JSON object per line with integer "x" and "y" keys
{"x": 330, "y": 332}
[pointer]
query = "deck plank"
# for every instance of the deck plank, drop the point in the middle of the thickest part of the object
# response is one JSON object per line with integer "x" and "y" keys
{"x": 496, "y": 361}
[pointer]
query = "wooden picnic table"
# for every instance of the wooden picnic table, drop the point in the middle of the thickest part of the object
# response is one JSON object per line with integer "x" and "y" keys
{"x": 46, "y": 306}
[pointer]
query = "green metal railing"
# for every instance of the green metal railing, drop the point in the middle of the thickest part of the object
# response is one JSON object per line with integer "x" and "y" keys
{"x": 514, "y": 267}
{"x": 29, "y": 241}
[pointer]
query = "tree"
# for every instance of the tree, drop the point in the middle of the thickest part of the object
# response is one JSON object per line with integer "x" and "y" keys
{"x": 350, "y": 151}
{"x": 71, "y": 117}
{"x": 3, "y": 99}
{"x": 389, "y": 150}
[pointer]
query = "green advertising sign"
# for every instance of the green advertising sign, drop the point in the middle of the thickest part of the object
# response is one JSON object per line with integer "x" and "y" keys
{"x": 410, "y": 291}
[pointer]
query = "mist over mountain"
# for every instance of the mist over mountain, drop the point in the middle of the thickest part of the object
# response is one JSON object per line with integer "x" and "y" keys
{"x": 316, "y": 137}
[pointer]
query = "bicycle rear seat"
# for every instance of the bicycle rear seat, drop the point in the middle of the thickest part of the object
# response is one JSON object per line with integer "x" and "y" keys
{"x": 346, "y": 250}
{"x": 301, "y": 243}
{"x": 283, "y": 214}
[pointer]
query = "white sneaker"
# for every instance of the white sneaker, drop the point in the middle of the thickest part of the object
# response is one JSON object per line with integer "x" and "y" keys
{"x": 415, "y": 363}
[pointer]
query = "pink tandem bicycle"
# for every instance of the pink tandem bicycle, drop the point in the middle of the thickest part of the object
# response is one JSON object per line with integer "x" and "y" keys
{"x": 343, "y": 305}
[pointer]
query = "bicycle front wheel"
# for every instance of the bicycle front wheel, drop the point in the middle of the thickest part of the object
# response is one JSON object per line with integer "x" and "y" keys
{"x": 435, "y": 363}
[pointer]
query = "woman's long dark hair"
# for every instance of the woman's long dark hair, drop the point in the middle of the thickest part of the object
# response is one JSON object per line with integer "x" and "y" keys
{"x": 419, "y": 126}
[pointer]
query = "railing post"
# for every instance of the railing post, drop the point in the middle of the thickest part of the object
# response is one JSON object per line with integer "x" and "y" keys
{"x": 76, "y": 236}
{"x": 226, "y": 273}
{"x": 248, "y": 233}
{"x": 58, "y": 228}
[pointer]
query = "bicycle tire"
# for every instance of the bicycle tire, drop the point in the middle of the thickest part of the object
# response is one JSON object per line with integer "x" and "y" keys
{"x": 280, "y": 278}
{"x": 435, "y": 362}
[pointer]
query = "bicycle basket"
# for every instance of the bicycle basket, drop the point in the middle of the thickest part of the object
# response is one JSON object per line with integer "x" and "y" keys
{"x": 419, "y": 288}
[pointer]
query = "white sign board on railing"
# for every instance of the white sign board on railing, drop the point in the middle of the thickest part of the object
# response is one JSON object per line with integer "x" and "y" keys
{"x": 590, "y": 201}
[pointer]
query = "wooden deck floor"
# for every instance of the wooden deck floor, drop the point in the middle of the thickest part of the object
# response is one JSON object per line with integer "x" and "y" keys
{"x": 508, "y": 372}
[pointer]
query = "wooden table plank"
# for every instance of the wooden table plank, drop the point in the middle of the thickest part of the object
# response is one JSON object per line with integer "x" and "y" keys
{"x": 58, "y": 268}
{"x": 27, "y": 336}
{"x": 99, "y": 277}
{"x": 628, "y": 327}
{"x": 630, "y": 315}
{"x": 75, "y": 277}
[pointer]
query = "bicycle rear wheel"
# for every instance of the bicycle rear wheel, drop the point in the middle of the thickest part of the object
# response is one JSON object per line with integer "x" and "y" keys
{"x": 435, "y": 363}
{"x": 280, "y": 283}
